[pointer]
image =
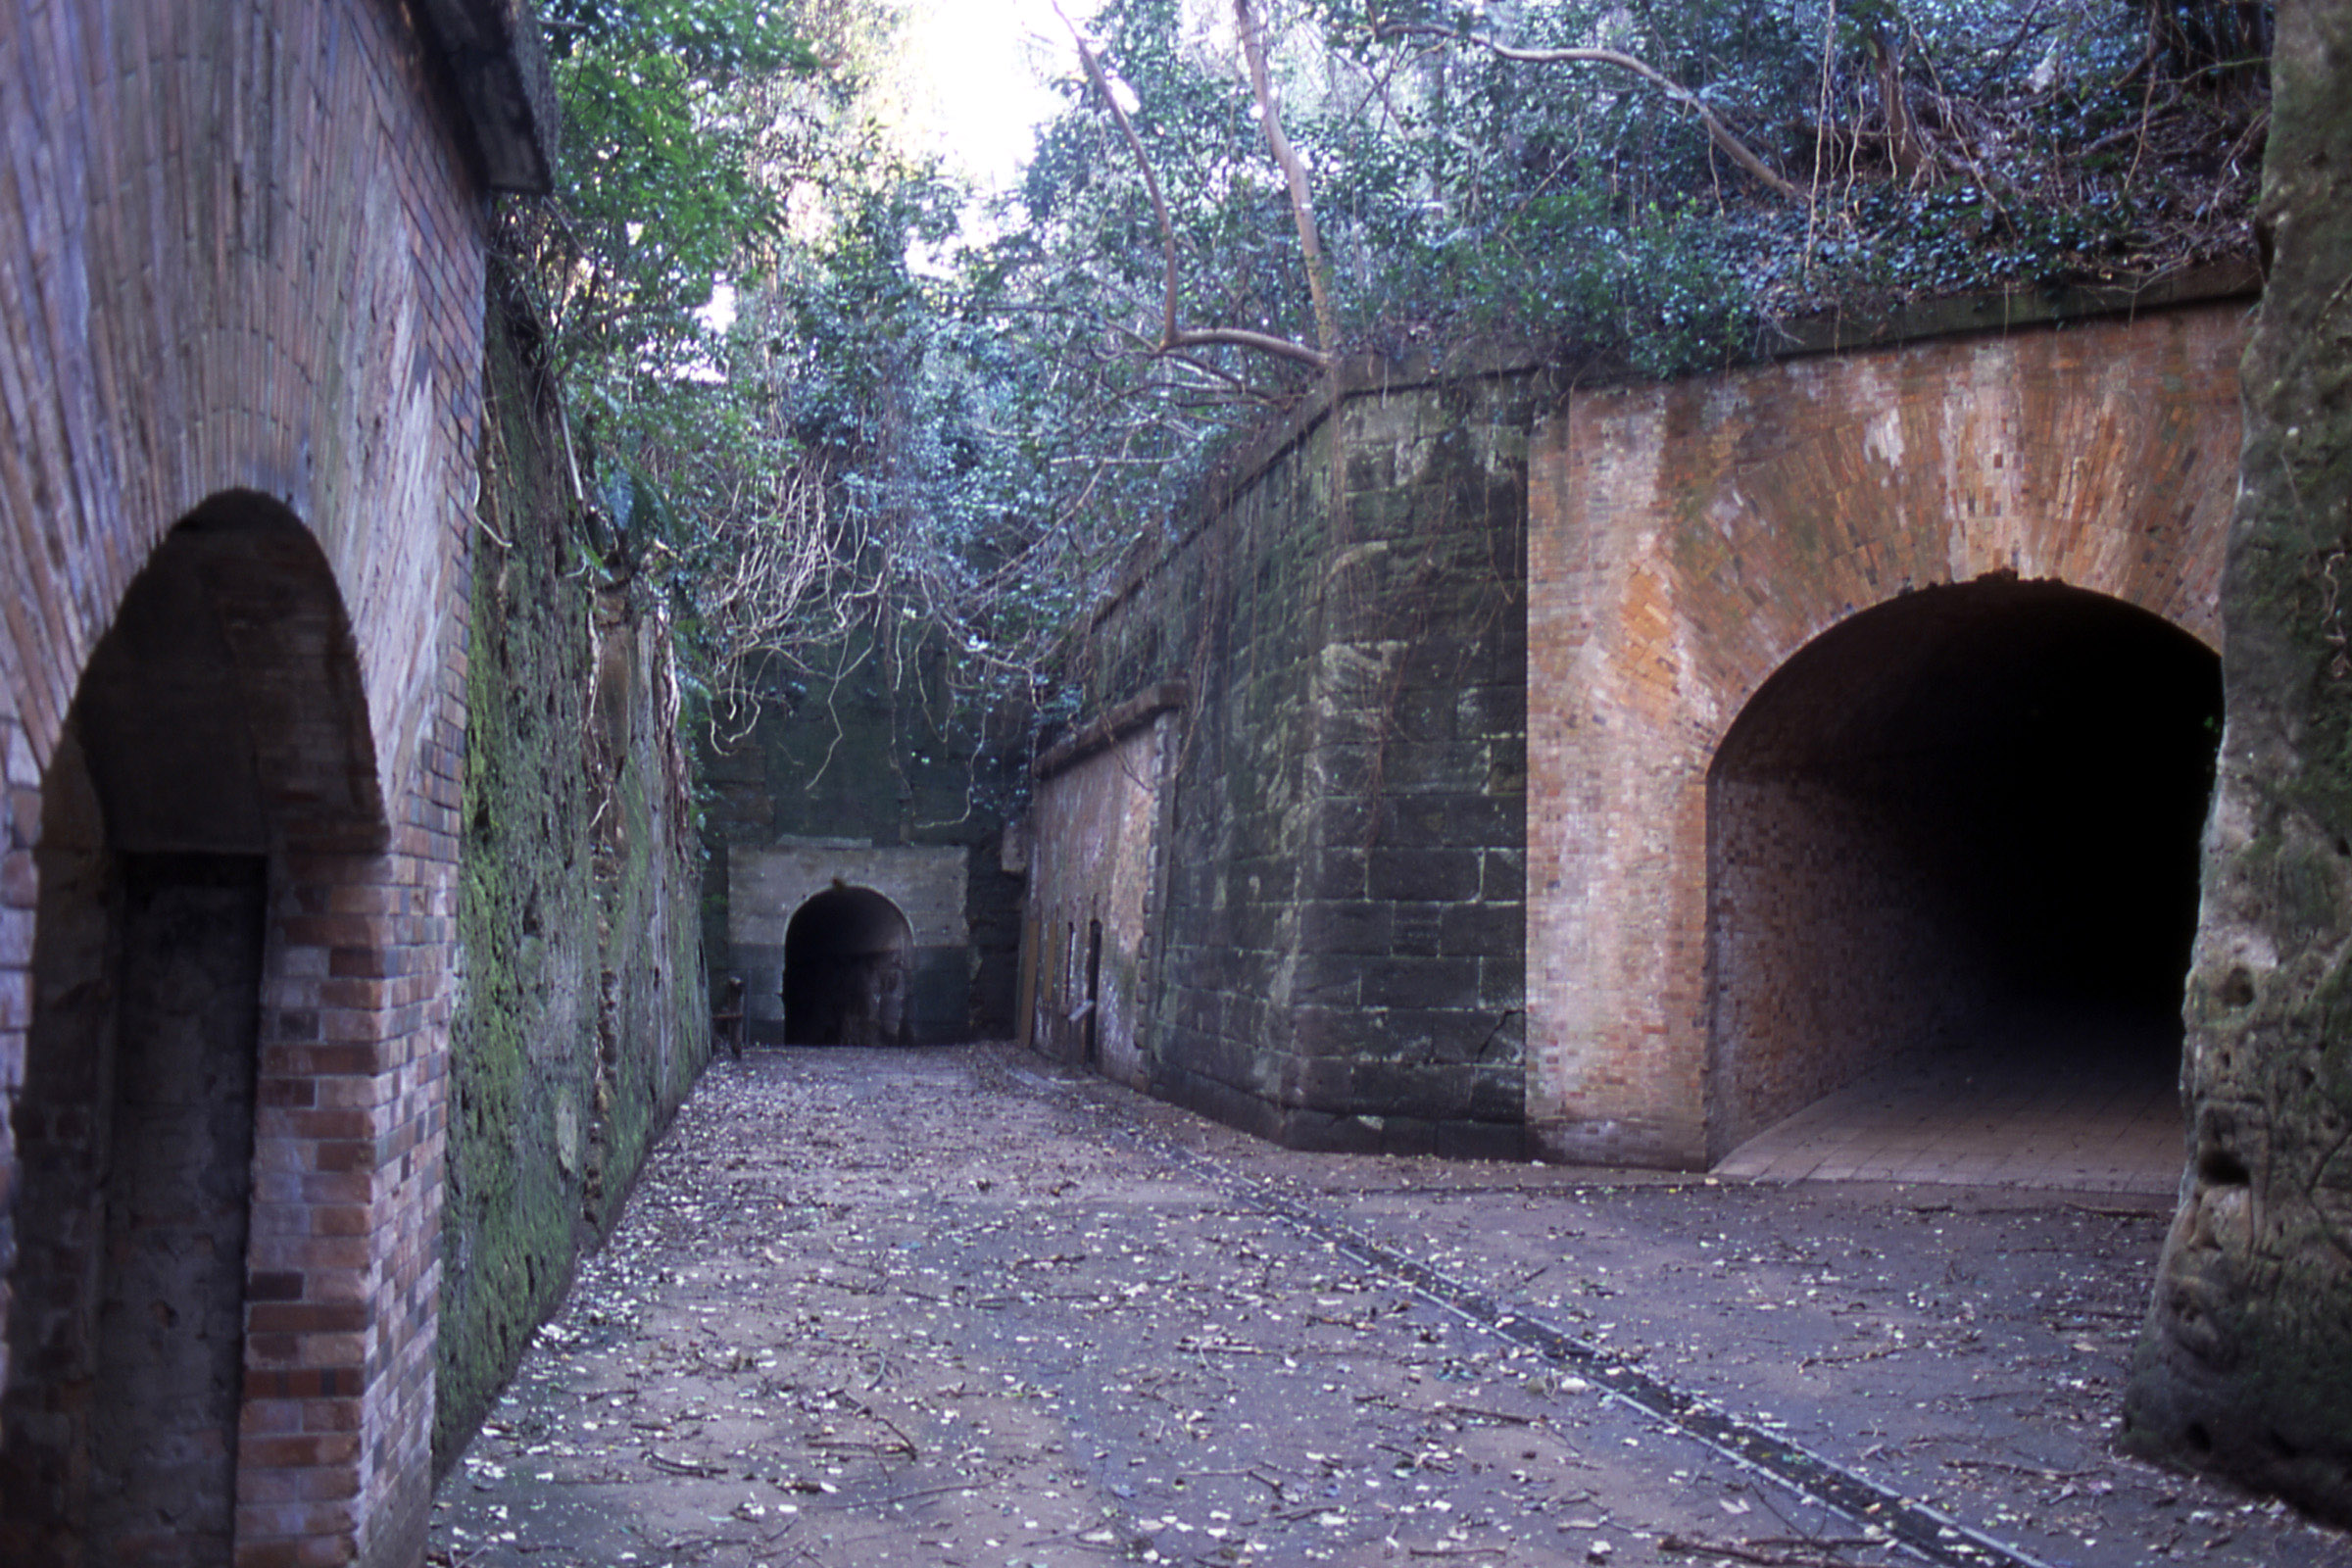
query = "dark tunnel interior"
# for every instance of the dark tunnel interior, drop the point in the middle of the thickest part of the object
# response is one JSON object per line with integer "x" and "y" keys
{"x": 848, "y": 957}
{"x": 1964, "y": 820}
{"x": 135, "y": 1125}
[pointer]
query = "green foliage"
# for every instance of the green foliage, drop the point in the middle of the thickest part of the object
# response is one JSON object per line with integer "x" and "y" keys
{"x": 665, "y": 182}
{"x": 1934, "y": 146}
{"x": 953, "y": 440}
{"x": 724, "y": 154}
{"x": 1661, "y": 280}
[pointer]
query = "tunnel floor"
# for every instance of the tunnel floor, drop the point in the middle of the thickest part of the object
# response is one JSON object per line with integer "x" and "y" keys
{"x": 2083, "y": 1102}
{"x": 945, "y": 1307}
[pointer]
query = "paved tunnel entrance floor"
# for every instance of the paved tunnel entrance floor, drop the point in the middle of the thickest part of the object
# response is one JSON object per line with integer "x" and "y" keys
{"x": 942, "y": 1307}
{"x": 2082, "y": 1104}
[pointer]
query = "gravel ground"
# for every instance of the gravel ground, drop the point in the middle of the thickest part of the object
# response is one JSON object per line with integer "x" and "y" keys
{"x": 945, "y": 1307}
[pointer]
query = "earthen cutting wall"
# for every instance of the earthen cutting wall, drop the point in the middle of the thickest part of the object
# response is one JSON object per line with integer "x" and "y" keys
{"x": 581, "y": 1019}
{"x": 2245, "y": 1363}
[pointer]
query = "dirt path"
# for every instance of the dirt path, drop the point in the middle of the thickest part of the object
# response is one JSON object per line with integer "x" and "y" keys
{"x": 943, "y": 1307}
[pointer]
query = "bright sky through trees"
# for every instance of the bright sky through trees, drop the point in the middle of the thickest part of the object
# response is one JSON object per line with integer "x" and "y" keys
{"x": 974, "y": 79}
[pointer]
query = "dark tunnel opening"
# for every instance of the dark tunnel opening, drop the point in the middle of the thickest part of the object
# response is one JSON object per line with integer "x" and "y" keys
{"x": 136, "y": 1123}
{"x": 1963, "y": 821}
{"x": 848, "y": 956}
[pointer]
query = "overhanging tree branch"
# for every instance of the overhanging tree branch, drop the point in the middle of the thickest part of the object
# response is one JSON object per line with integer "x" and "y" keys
{"x": 1732, "y": 147}
{"x": 1293, "y": 173}
{"x": 1241, "y": 337}
{"x": 1172, "y": 337}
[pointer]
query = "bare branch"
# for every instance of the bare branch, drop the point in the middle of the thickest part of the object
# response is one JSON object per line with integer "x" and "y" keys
{"x": 1173, "y": 338}
{"x": 1207, "y": 371}
{"x": 1135, "y": 145}
{"x": 1241, "y": 337}
{"x": 1717, "y": 131}
{"x": 1293, "y": 173}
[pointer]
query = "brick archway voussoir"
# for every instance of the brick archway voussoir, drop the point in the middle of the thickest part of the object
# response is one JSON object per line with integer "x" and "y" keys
{"x": 1687, "y": 539}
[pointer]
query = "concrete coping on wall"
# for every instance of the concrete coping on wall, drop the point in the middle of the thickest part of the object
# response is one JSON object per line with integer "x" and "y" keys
{"x": 499, "y": 65}
{"x": 1834, "y": 331}
{"x": 2006, "y": 310}
{"x": 1111, "y": 727}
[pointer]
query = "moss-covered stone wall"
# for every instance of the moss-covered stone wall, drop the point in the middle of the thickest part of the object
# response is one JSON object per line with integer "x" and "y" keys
{"x": 874, "y": 745}
{"x": 1340, "y": 953}
{"x": 582, "y": 1019}
{"x": 2245, "y": 1365}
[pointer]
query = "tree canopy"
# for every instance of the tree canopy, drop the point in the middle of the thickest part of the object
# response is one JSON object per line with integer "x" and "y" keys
{"x": 931, "y": 427}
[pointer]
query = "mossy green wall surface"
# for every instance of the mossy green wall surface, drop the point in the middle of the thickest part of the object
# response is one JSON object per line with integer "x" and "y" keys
{"x": 1342, "y": 953}
{"x": 582, "y": 1019}
{"x": 880, "y": 742}
{"x": 2245, "y": 1367}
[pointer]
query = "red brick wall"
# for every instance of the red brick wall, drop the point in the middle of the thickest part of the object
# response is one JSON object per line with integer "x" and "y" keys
{"x": 1099, "y": 827}
{"x": 1684, "y": 540}
{"x": 246, "y": 261}
{"x": 1810, "y": 870}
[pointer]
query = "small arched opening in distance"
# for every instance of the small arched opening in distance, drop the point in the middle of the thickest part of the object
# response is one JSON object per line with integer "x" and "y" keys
{"x": 217, "y": 730}
{"x": 1963, "y": 824}
{"x": 848, "y": 956}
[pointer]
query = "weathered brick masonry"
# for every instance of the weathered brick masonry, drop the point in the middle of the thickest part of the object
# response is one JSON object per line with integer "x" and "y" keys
{"x": 1686, "y": 540}
{"x": 240, "y": 363}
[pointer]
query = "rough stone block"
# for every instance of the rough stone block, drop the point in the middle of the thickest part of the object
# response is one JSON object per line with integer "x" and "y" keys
{"x": 1346, "y": 926}
{"x": 1419, "y": 983}
{"x": 1498, "y": 1094}
{"x": 1326, "y": 1133}
{"x": 1482, "y": 1139}
{"x": 1479, "y": 929}
{"x": 1409, "y": 1135}
{"x": 1422, "y": 875}
{"x": 1502, "y": 876}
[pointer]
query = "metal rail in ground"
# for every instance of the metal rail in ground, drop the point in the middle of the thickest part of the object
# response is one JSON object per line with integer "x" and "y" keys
{"x": 1914, "y": 1526}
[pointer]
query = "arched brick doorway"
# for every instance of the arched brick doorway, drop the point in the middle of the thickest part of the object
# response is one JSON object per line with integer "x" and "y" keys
{"x": 190, "y": 1315}
{"x": 1965, "y": 820}
{"x": 848, "y": 957}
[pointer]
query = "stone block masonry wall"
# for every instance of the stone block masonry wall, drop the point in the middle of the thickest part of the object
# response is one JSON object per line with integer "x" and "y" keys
{"x": 871, "y": 752}
{"x": 581, "y": 1019}
{"x": 243, "y": 292}
{"x": 1342, "y": 920}
{"x": 1229, "y": 610}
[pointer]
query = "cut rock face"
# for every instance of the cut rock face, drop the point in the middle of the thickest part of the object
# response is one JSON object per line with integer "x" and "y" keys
{"x": 2245, "y": 1365}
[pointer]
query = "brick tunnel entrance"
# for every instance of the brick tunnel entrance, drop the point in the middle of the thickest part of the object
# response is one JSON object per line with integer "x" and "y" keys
{"x": 848, "y": 954}
{"x": 1959, "y": 828}
{"x": 164, "y": 828}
